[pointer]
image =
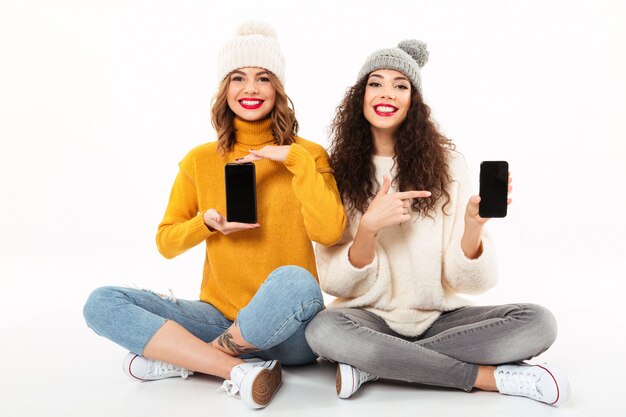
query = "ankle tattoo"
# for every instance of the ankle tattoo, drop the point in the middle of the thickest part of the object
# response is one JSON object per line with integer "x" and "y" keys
{"x": 226, "y": 341}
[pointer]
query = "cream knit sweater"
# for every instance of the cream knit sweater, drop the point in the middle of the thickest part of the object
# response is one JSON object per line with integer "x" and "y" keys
{"x": 419, "y": 266}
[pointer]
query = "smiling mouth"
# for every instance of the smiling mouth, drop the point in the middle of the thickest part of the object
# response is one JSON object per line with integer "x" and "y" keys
{"x": 385, "y": 110}
{"x": 251, "y": 103}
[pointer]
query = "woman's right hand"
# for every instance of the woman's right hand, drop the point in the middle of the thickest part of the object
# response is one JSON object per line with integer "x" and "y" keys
{"x": 215, "y": 221}
{"x": 389, "y": 209}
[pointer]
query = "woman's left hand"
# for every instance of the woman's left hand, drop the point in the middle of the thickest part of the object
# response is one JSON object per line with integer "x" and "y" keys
{"x": 471, "y": 212}
{"x": 273, "y": 152}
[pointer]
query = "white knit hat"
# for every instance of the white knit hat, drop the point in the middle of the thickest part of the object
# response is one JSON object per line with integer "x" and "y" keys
{"x": 254, "y": 46}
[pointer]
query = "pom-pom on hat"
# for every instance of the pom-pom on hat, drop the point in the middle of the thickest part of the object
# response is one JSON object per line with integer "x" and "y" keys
{"x": 255, "y": 45}
{"x": 408, "y": 57}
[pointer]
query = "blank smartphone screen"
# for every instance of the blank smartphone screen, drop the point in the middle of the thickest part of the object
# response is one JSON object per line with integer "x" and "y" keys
{"x": 240, "y": 193}
{"x": 494, "y": 184}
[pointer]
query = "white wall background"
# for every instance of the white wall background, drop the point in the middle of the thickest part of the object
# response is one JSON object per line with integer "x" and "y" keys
{"x": 99, "y": 100}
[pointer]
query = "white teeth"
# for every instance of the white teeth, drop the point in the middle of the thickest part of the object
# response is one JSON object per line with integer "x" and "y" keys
{"x": 385, "y": 109}
{"x": 250, "y": 102}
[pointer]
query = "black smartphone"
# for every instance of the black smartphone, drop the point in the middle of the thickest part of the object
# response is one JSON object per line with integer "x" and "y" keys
{"x": 240, "y": 193}
{"x": 494, "y": 186}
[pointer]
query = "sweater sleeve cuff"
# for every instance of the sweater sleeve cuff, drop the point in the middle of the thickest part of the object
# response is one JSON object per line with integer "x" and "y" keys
{"x": 473, "y": 276}
{"x": 296, "y": 157}
{"x": 362, "y": 270}
{"x": 199, "y": 229}
{"x": 348, "y": 280}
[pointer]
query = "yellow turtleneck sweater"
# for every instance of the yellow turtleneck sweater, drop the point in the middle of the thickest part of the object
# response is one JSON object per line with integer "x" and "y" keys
{"x": 297, "y": 201}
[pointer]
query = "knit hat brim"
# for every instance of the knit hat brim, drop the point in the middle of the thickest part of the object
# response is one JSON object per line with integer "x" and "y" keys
{"x": 255, "y": 46}
{"x": 407, "y": 58}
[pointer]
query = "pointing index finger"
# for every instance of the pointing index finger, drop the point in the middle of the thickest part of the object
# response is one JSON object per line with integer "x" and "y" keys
{"x": 413, "y": 194}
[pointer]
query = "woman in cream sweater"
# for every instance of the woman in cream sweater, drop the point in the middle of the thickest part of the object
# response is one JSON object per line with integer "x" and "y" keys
{"x": 414, "y": 242}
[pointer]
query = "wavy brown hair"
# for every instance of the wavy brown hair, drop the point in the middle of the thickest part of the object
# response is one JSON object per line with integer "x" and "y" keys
{"x": 283, "y": 115}
{"x": 420, "y": 153}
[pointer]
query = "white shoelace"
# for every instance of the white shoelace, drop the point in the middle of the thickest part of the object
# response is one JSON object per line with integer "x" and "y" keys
{"x": 230, "y": 388}
{"x": 164, "y": 369}
{"x": 520, "y": 383}
{"x": 365, "y": 377}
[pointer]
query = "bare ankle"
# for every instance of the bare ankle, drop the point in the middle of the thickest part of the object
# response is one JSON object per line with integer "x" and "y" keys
{"x": 485, "y": 379}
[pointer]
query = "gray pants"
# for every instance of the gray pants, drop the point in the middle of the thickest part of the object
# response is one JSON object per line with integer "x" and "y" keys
{"x": 447, "y": 354}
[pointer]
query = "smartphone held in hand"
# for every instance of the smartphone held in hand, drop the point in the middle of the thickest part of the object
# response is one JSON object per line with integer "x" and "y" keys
{"x": 240, "y": 193}
{"x": 494, "y": 185}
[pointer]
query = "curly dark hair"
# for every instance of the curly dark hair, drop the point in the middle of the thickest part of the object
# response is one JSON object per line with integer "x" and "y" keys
{"x": 420, "y": 153}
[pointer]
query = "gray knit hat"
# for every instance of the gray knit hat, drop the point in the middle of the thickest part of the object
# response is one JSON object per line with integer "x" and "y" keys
{"x": 255, "y": 45}
{"x": 408, "y": 57}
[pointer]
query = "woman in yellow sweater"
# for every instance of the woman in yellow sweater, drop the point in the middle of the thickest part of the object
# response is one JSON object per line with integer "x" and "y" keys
{"x": 259, "y": 287}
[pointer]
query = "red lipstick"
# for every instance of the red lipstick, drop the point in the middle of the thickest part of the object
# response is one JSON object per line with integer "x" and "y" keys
{"x": 251, "y": 103}
{"x": 386, "y": 113}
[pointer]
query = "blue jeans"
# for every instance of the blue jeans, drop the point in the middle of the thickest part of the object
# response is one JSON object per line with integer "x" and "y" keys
{"x": 447, "y": 354}
{"x": 273, "y": 321}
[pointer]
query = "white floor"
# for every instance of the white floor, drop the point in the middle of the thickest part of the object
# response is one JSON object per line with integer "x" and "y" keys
{"x": 55, "y": 366}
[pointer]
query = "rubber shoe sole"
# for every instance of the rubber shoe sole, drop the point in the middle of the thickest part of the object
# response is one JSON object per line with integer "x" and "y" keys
{"x": 338, "y": 381}
{"x": 347, "y": 379}
{"x": 265, "y": 385}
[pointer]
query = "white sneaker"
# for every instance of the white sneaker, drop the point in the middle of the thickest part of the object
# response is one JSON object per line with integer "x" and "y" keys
{"x": 255, "y": 382}
{"x": 144, "y": 369}
{"x": 349, "y": 380}
{"x": 540, "y": 382}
